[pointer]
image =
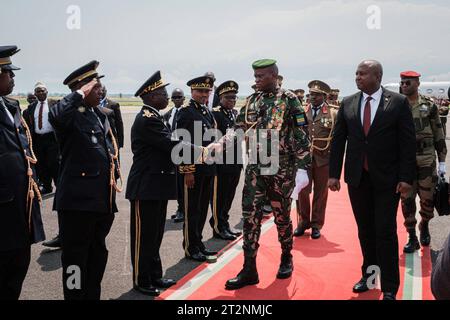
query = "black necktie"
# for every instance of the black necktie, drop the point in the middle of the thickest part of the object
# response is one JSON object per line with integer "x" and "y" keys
{"x": 316, "y": 111}
{"x": 174, "y": 120}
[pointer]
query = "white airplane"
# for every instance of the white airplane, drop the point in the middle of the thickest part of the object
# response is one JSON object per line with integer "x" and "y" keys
{"x": 436, "y": 90}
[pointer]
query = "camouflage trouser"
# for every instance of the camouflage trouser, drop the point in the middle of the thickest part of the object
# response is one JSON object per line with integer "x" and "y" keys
{"x": 424, "y": 186}
{"x": 278, "y": 189}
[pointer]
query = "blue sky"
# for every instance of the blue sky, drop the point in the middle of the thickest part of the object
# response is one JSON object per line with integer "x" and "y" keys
{"x": 310, "y": 39}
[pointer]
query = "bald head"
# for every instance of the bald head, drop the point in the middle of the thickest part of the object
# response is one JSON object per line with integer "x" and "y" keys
{"x": 178, "y": 97}
{"x": 369, "y": 76}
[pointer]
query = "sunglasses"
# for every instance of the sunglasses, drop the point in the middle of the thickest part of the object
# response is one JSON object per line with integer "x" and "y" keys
{"x": 405, "y": 83}
{"x": 178, "y": 97}
{"x": 230, "y": 97}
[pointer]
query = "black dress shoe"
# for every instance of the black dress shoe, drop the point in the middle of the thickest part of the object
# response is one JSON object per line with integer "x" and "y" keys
{"x": 315, "y": 234}
{"x": 361, "y": 286}
{"x": 234, "y": 233}
{"x": 389, "y": 296}
{"x": 148, "y": 290}
{"x": 299, "y": 232}
{"x": 224, "y": 235}
{"x": 54, "y": 243}
{"x": 208, "y": 252}
{"x": 198, "y": 256}
{"x": 163, "y": 283}
{"x": 179, "y": 217}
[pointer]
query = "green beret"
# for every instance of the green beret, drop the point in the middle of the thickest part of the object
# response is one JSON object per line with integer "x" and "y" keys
{"x": 264, "y": 63}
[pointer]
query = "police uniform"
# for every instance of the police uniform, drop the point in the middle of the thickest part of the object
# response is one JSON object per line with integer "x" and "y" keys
{"x": 197, "y": 199}
{"x": 151, "y": 183}
{"x": 321, "y": 121}
{"x": 430, "y": 141}
{"x": 21, "y": 223}
{"x": 279, "y": 111}
{"x": 85, "y": 197}
{"x": 228, "y": 172}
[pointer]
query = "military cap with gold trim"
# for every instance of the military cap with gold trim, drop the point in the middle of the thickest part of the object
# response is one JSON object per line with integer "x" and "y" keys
{"x": 228, "y": 86}
{"x": 153, "y": 83}
{"x": 6, "y": 52}
{"x": 263, "y": 63}
{"x": 319, "y": 87}
{"x": 335, "y": 91}
{"x": 83, "y": 74}
{"x": 200, "y": 83}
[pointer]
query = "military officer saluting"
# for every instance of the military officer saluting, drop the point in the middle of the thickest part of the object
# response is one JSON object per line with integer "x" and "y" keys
{"x": 196, "y": 119}
{"x": 21, "y": 223}
{"x": 430, "y": 142}
{"x": 85, "y": 197}
{"x": 151, "y": 183}
{"x": 278, "y": 110}
{"x": 321, "y": 118}
{"x": 229, "y": 171}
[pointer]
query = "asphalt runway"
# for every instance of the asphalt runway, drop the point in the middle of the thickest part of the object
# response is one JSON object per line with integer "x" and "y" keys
{"x": 44, "y": 279}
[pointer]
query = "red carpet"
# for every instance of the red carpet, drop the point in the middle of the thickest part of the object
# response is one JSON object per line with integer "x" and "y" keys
{"x": 325, "y": 269}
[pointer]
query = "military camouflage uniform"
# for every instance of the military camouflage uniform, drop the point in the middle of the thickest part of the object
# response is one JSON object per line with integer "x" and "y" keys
{"x": 430, "y": 140}
{"x": 280, "y": 111}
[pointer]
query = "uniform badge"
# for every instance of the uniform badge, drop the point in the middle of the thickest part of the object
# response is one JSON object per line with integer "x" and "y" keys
{"x": 423, "y": 108}
{"x": 82, "y": 109}
{"x": 300, "y": 120}
{"x": 94, "y": 139}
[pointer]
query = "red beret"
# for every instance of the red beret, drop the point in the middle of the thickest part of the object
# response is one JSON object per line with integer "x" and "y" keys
{"x": 410, "y": 74}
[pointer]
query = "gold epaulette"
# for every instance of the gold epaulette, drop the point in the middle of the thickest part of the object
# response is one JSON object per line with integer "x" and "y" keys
{"x": 183, "y": 169}
{"x": 216, "y": 109}
{"x": 147, "y": 114}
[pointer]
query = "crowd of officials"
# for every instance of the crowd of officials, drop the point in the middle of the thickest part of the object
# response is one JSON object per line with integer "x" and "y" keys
{"x": 390, "y": 142}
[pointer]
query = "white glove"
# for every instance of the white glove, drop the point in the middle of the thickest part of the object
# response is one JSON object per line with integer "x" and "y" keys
{"x": 301, "y": 181}
{"x": 442, "y": 171}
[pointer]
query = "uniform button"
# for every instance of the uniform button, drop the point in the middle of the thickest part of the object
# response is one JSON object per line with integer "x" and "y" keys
{"x": 18, "y": 130}
{"x": 162, "y": 171}
{"x": 83, "y": 174}
{"x": 93, "y": 131}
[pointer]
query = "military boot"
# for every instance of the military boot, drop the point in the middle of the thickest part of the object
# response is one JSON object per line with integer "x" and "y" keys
{"x": 413, "y": 243}
{"x": 286, "y": 266}
{"x": 425, "y": 237}
{"x": 248, "y": 275}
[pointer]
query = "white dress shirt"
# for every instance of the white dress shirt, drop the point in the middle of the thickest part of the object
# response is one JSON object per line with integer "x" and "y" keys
{"x": 10, "y": 116}
{"x": 46, "y": 126}
{"x": 172, "y": 117}
{"x": 374, "y": 103}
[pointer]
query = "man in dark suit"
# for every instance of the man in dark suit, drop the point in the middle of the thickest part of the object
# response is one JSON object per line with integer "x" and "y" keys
{"x": 45, "y": 145}
{"x": 378, "y": 129}
{"x": 85, "y": 197}
{"x": 170, "y": 121}
{"x": 114, "y": 116}
{"x": 20, "y": 215}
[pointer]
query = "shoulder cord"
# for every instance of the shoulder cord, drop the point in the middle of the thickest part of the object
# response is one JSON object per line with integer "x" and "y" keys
{"x": 328, "y": 139}
{"x": 33, "y": 188}
{"x": 112, "y": 180}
